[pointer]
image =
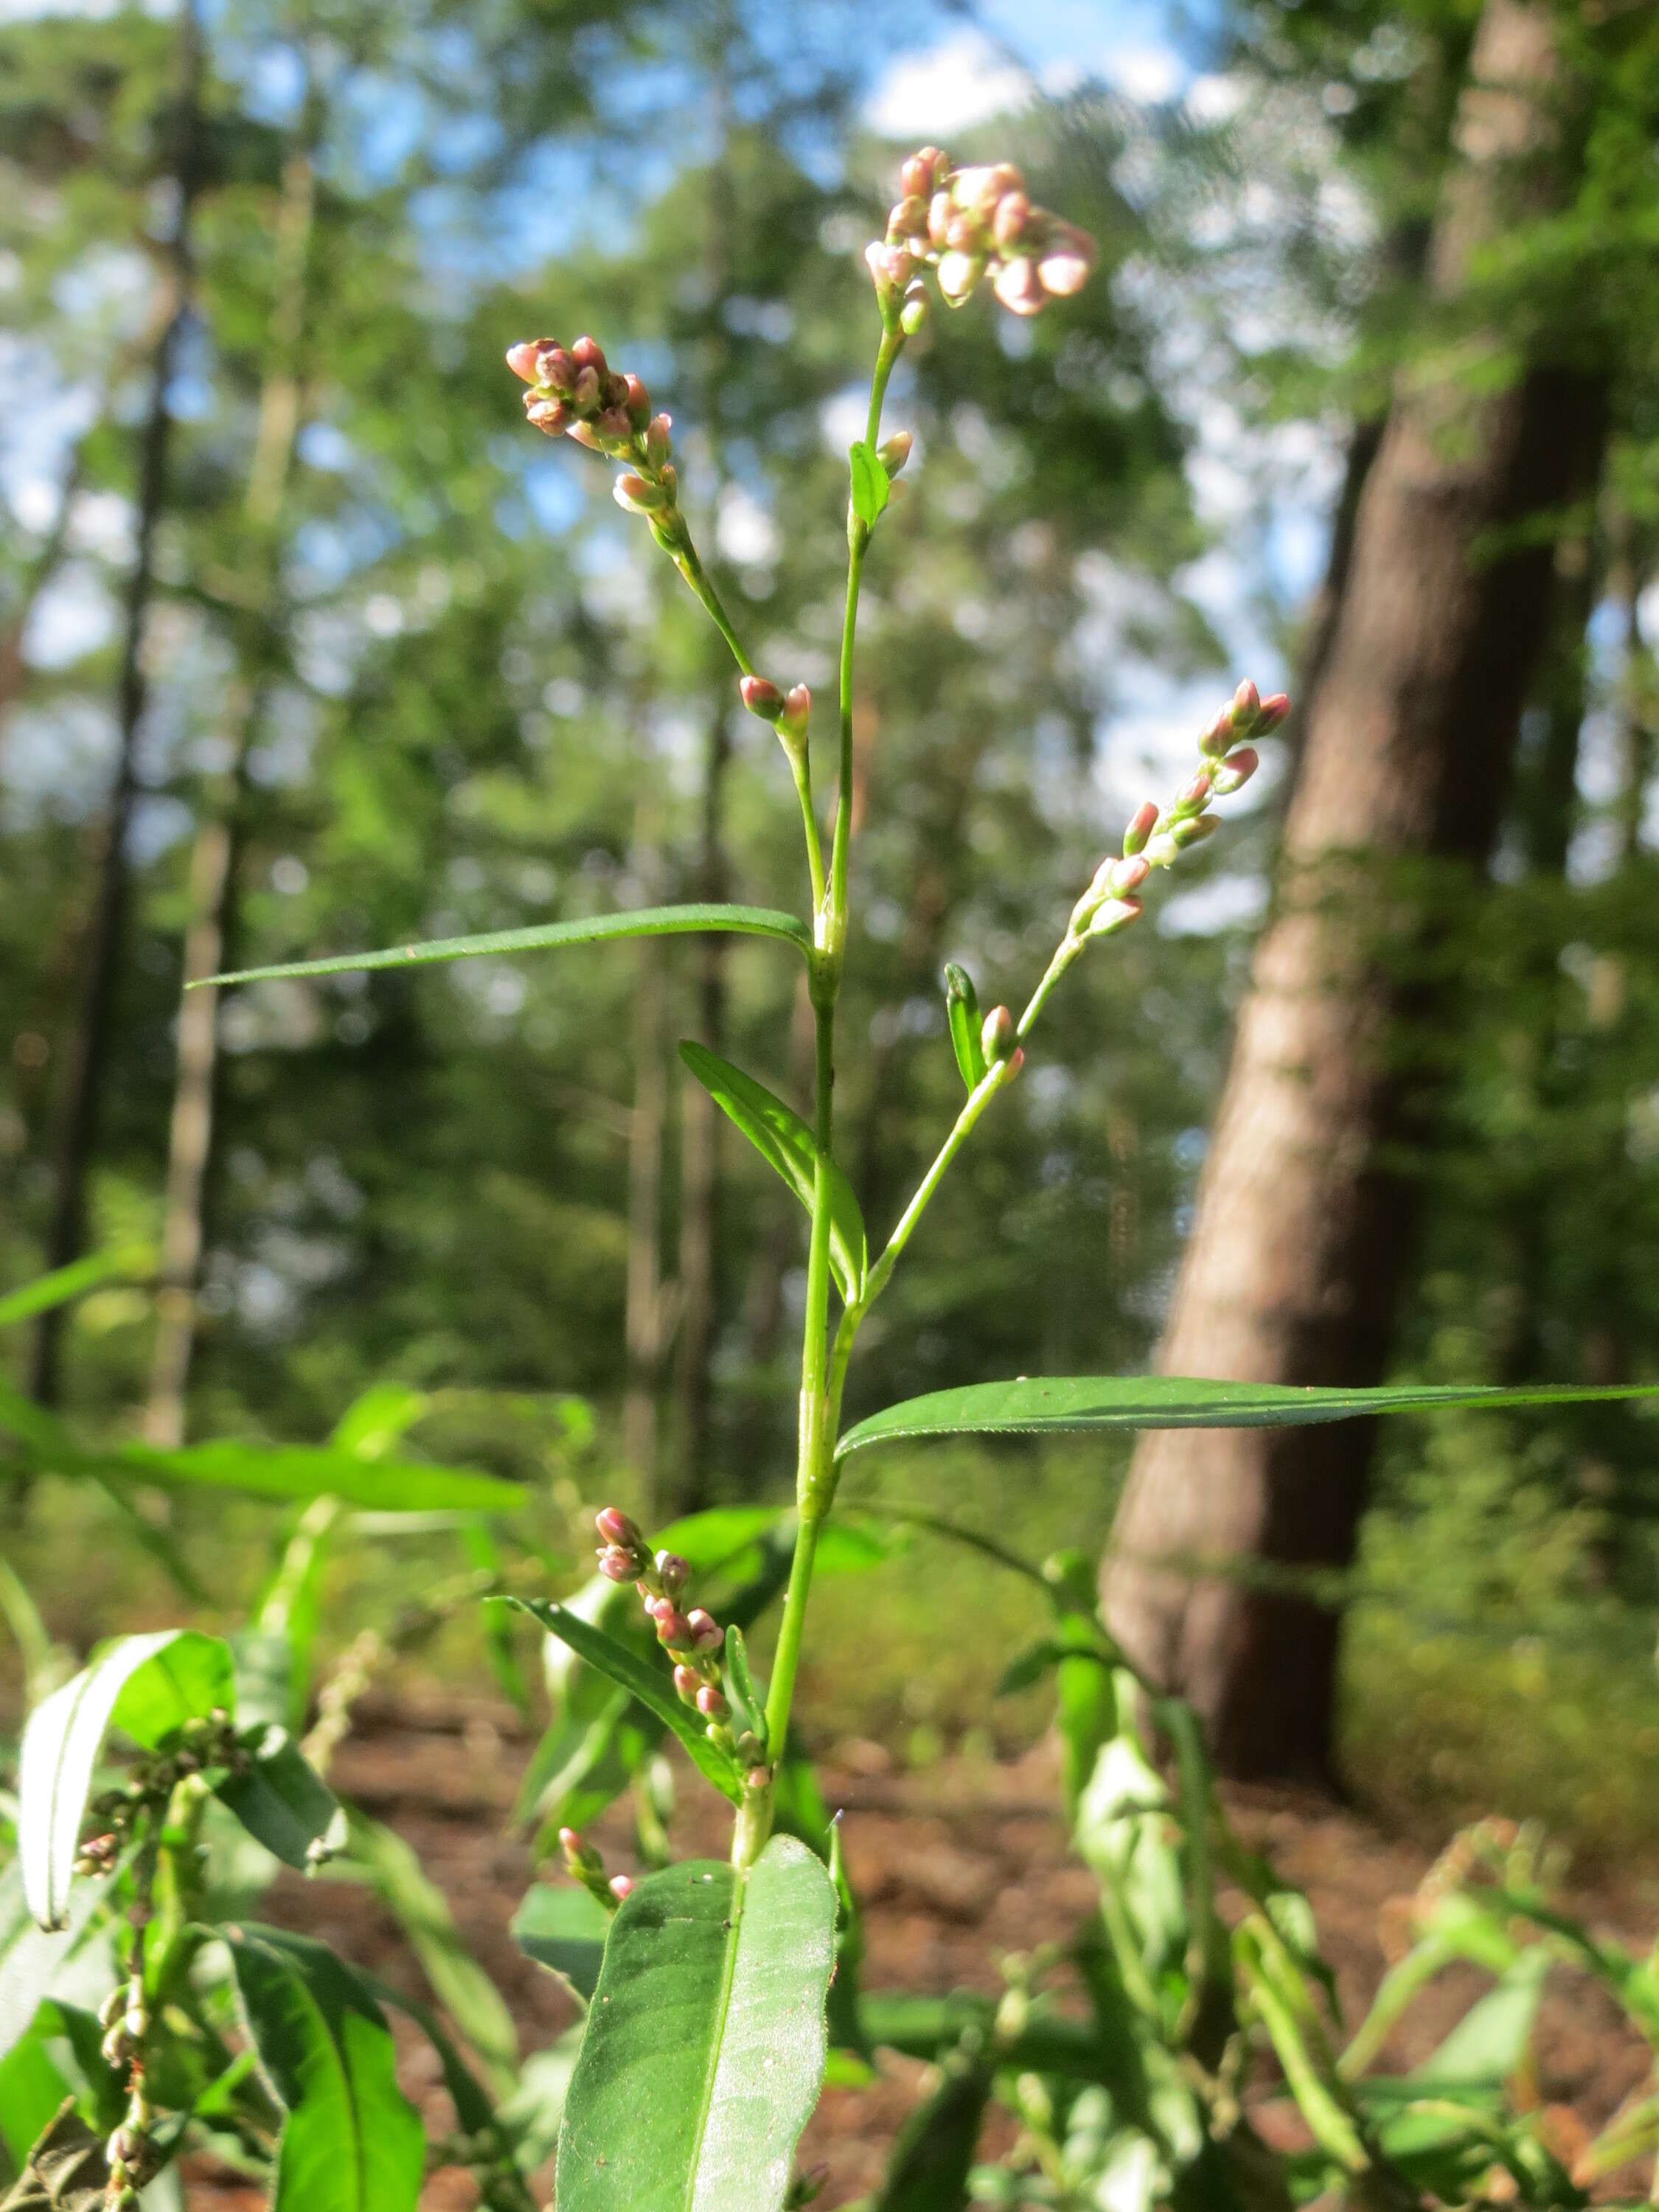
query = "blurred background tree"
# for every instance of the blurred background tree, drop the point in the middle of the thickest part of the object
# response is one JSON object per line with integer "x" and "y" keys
{"x": 306, "y": 644}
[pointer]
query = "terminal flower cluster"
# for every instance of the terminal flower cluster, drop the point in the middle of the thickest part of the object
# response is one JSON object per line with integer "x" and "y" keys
{"x": 575, "y": 393}
{"x": 967, "y": 225}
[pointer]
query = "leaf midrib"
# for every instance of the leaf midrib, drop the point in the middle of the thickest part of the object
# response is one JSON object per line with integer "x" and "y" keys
{"x": 728, "y": 1975}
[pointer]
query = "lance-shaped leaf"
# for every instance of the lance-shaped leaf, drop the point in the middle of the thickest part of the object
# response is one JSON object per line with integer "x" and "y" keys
{"x": 872, "y": 486}
{"x": 706, "y": 2040}
{"x": 786, "y": 1145}
{"x": 643, "y": 1681}
{"x": 962, "y": 1008}
{"x": 352, "y": 2141}
{"x": 1062, "y": 1403}
{"x": 283, "y": 1803}
{"x": 589, "y": 929}
{"x": 565, "y": 1930}
{"x": 64, "y": 1283}
{"x": 147, "y": 1685}
{"x": 935, "y": 2153}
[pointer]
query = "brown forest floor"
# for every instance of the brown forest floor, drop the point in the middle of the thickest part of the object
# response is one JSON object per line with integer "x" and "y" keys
{"x": 955, "y": 1868}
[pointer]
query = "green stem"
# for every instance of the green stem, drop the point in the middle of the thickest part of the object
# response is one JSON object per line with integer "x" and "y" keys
{"x": 975, "y": 1103}
{"x": 1065, "y": 953}
{"x": 858, "y": 540}
{"x": 684, "y": 557}
{"x": 802, "y": 771}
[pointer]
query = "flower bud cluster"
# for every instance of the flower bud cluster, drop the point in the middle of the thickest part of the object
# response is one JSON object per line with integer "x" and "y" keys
{"x": 207, "y": 1741}
{"x": 788, "y": 712}
{"x": 586, "y": 1865}
{"x": 575, "y": 393}
{"x": 969, "y": 225}
{"x": 131, "y": 2154}
{"x": 693, "y": 1639}
{"x": 1156, "y": 837}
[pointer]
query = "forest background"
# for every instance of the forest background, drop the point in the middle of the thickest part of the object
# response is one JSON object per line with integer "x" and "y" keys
{"x": 305, "y": 644}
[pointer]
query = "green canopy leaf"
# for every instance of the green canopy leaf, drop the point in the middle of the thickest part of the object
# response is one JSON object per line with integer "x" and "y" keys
{"x": 1055, "y": 1405}
{"x": 646, "y": 1683}
{"x": 589, "y": 929}
{"x": 788, "y": 1147}
{"x": 147, "y": 1685}
{"x": 353, "y": 2142}
{"x": 706, "y": 2040}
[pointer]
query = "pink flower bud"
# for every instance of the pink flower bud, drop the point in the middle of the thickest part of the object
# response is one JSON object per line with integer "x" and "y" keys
{"x": 919, "y": 176}
{"x": 1193, "y": 833}
{"x": 1017, "y": 286}
{"x": 688, "y": 1682}
{"x": 672, "y": 1627}
{"x": 656, "y": 440}
{"x": 1011, "y": 218}
{"x": 977, "y": 190}
{"x": 617, "y": 1564}
{"x": 555, "y": 368}
{"x": 583, "y": 434}
{"x": 1142, "y": 822}
{"x": 1236, "y": 771}
{"x": 1063, "y": 267}
{"x": 1271, "y": 712}
{"x": 584, "y": 392}
{"x": 710, "y": 1703}
{"x": 914, "y": 313}
{"x": 996, "y": 1036}
{"x": 655, "y": 1605}
{"x": 618, "y": 1527}
{"x": 939, "y": 215}
{"x": 1125, "y": 876}
{"x": 797, "y": 706}
{"x": 760, "y": 696}
{"x": 621, "y": 1886}
{"x": 614, "y": 389}
{"x": 672, "y": 1572}
{"x": 907, "y": 218}
{"x": 1246, "y": 701}
{"x": 613, "y": 426}
{"x": 1220, "y": 735}
{"x": 1193, "y": 794}
{"x": 637, "y": 400}
{"x": 589, "y": 353}
{"x": 706, "y": 1631}
{"x": 549, "y": 415}
{"x": 958, "y": 273}
{"x": 893, "y": 452}
{"x": 635, "y": 497}
{"x": 891, "y": 266}
{"x": 1115, "y": 915}
{"x": 570, "y": 1843}
{"x": 521, "y": 358}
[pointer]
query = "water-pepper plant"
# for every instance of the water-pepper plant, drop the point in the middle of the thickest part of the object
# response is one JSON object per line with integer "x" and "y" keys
{"x": 145, "y": 2009}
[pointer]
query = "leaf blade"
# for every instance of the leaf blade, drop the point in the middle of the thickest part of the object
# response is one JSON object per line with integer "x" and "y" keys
{"x": 353, "y": 2142}
{"x": 283, "y": 1803}
{"x": 871, "y": 485}
{"x": 65, "y": 1732}
{"x": 591, "y": 929}
{"x": 641, "y": 1681}
{"x": 706, "y": 2041}
{"x": 1074, "y": 1404}
{"x": 789, "y": 1148}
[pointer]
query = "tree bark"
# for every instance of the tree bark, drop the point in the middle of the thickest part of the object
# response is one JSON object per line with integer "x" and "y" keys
{"x": 1303, "y": 1227}
{"x": 39, "y": 575}
{"x": 88, "y": 1056}
{"x": 213, "y": 871}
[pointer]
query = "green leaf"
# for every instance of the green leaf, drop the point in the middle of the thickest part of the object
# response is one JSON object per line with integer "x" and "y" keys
{"x": 147, "y": 1685}
{"x": 929, "y": 2168}
{"x": 31, "y": 1956}
{"x": 706, "y": 2042}
{"x": 422, "y": 1910}
{"x": 750, "y": 1706}
{"x": 283, "y": 1803}
{"x": 962, "y": 1007}
{"x": 788, "y": 1146}
{"x": 64, "y": 1283}
{"x": 649, "y": 1684}
{"x": 564, "y": 1929}
{"x": 1060, "y": 1404}
{"x": 1491, "y": 2041}
{"x": 590, "y": 929}
{"x": 872, "y": 486}
{"x": 353, "y": 2142}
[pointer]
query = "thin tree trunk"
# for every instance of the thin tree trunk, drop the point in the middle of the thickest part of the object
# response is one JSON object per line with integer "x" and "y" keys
{"x": 1303, "y": 1231}
{"x": 36, "y": 577}
{"x": 87, "y": 1056}
{"x": 214, "y": 862}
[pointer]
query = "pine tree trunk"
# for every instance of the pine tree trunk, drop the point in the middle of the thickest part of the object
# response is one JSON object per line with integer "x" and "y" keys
{"x": 1303, "y": 1230}
{"x": 87, "y": 1057}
